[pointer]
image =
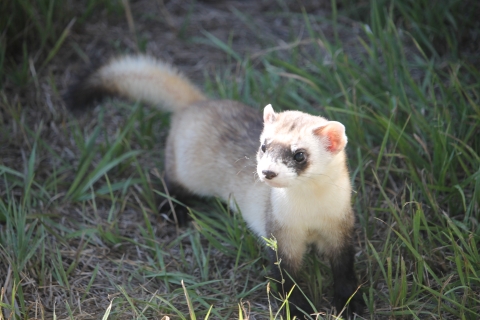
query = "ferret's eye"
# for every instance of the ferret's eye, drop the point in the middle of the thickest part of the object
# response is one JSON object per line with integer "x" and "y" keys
{"x": 263, "y": 147}
{"x": 299, "y": 156}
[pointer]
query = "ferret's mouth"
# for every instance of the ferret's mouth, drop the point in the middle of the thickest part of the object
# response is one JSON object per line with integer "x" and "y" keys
{"x": 274, "y": 183}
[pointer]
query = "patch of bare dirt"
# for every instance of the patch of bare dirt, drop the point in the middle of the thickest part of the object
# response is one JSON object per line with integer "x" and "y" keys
{"x": 177, "y": 31}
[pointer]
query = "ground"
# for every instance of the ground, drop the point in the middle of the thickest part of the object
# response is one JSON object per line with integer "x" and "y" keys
{"x": 82, "y": 225}
{"x": 191, "y": 35}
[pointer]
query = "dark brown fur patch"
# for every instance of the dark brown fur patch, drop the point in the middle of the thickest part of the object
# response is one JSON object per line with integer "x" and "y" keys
{"x": 85, "y": 90}
{"x": 245, "y": 125}
{"x": 283, "y": 152}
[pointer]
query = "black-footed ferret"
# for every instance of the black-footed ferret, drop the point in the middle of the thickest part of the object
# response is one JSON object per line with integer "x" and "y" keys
{"x": 287, "y": 174}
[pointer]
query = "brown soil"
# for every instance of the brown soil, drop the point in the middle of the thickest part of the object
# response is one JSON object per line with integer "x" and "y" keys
{"x": 178, "y": 32}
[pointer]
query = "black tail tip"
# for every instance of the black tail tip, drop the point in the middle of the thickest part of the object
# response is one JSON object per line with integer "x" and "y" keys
{"x": 82, "y": 94}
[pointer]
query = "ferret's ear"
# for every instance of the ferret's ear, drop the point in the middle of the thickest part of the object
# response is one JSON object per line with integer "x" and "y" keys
{"x": 268, "y": 114}
{"x": 334, "y": 134}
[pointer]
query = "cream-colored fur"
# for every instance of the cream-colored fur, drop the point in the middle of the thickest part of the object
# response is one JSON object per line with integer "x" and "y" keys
{"x": 212, "y": 151}
{"x": 207, "y": 165}
{"x": 148, "y": 79}
{"x": 313, "y": 207}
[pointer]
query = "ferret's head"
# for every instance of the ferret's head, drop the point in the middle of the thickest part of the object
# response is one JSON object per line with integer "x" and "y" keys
{"x": 296, "y": 147}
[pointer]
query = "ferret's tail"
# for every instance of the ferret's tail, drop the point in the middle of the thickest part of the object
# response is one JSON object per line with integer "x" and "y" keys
{"x": 138, "y": 78}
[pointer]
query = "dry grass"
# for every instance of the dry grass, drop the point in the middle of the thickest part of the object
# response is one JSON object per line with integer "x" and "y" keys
{"x": 83, "y": 226}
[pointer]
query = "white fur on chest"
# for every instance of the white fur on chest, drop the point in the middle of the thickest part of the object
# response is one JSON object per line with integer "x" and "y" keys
{"x": 314, "y": 216}
{"x": 306, "y": 208}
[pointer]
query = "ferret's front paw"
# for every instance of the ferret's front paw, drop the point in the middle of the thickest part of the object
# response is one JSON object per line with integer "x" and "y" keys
{"x": 356, "y": 304}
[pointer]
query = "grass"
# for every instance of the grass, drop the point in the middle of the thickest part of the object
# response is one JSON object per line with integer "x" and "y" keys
{"x": 83, "y": 232}
{"x": 446, "y": 28}
{"x": 34, "y": 31}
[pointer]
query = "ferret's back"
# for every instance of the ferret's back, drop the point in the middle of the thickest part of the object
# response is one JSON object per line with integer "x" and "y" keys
{"x": 215, "y": 145}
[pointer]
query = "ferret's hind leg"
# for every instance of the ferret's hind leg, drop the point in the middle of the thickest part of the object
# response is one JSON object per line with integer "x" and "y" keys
{"x": 179, "y": 193}
{"x": 173, "y": 188}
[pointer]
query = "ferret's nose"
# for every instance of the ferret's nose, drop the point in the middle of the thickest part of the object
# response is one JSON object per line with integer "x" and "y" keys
{"x": 269, "y": 174}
